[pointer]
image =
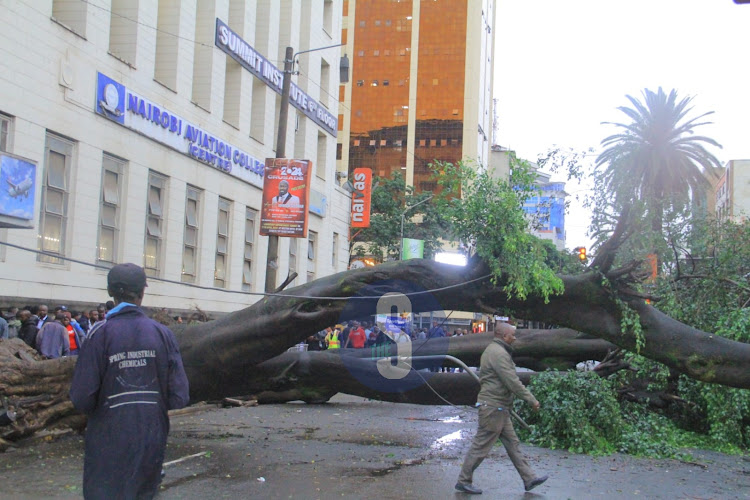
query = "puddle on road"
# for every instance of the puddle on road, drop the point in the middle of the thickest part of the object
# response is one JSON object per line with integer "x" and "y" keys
{"x": 447, "y": 440}
{"x": 455, "y": 419}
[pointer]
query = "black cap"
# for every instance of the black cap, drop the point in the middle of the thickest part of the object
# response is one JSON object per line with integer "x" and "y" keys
{"x": 127, "y": 276}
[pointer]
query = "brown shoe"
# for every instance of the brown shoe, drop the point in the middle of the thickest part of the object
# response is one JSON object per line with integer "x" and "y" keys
{"x": 535, "y": 482}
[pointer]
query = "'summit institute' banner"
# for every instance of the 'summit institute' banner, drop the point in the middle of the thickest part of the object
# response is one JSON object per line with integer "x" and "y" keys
{"x": 286, "y": 191}
{"x": 238, "y": 49}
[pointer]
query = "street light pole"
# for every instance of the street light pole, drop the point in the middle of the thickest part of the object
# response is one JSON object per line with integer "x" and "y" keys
{"x": 403, "y": 214}
{"x": 272, "y": 260}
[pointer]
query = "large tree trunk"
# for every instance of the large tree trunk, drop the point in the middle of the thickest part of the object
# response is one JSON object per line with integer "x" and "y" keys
{"x": 223, "y": 357}
{"x": 220, "y": 362}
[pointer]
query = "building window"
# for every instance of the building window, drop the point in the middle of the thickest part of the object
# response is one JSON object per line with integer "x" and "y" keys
{"x": 292, "y": 256}
{"x": 328, "y": 16}
{"x": 376, "y": 53}
{"x": 312, "y": 241}
{"x": 123, "y": 30}
{"x": 377, "y": 22}
{"x": 335, "y": 252}
{"x": 386, "y": 83}
{"x": 71, "y": 14}
{"x": 386, "y": 52}
{"x": 361, "y": 53}
{"x": 339, "y": 150}
{"x": 356, "y": 142}
{"x": 374, "y": 83}
{"x": 361, "y": 24}
{"x": 155, "y": 209}
{"x": 360, "y": 83}
{"x": 387, "y": 22}
{"x": 322, "y": 157}
{"x": 5, "y": 122}
{"x": 251, "y": 216}
{"x": 325, "y": 82}
{"x": 203, "y": 53}
{"x": 167, "y": 32}
{"x": 54, "y": 211}
{"x": 222, "y": 243}
{"x": 190, "y": 239}
{"x": 110, "y": 204}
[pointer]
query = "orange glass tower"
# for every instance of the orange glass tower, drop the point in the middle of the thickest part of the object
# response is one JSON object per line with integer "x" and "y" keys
{"x": 421, "y": 85}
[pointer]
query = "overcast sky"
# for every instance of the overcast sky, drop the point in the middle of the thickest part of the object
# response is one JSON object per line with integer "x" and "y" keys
{"x": 563, "y": 67}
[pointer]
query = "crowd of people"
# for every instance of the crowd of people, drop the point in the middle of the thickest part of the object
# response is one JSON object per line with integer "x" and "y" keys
{"x": 362, "y": 334}
{"x": 62, "y": 331}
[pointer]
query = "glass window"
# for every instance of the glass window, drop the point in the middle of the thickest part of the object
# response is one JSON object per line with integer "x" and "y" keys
{"x": 360, "y": 83}
{"x": 109, "y": 209}
{"x": 191, "y": 235}
{"x": 335, "y": 252}
{"x": 4, "y": 132}
{"x": 222, "y": 243}
{"x": 152, "y": 258}
{"x": 247, "y": 267}
{"x": 53, "y": 216}
{"x": 312, "y": 240}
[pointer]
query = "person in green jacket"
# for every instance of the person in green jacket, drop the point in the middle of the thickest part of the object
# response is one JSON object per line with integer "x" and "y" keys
{"x": 500, "y": 384}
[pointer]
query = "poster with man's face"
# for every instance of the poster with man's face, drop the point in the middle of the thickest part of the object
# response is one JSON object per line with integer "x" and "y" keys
{"x": 286, "y": 193}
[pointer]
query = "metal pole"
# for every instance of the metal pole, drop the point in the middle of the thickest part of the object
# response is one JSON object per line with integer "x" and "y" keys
{"x": 401, "y": 248}
{"x": 272, "y": 259}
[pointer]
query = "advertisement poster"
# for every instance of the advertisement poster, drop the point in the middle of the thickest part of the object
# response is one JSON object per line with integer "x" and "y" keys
{"x": 18, "y": 191}
{"x": 361, "y": 197}
{"x": 286, "y": 194}
{"x": 412, "y": 249}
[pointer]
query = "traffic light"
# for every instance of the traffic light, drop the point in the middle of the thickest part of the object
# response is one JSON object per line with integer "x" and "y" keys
{"x": 581, "y": 253}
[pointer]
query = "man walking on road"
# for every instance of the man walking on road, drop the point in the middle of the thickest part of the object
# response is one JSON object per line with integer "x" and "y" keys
{"x": 129, "y": 373}
{"x": 499, "y": 383}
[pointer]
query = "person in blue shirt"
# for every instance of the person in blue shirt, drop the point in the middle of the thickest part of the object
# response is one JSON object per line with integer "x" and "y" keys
{"x": 128, "y": 375}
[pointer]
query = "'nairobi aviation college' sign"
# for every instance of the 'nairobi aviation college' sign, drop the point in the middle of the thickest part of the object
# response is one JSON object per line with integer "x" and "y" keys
{"x": 137, "y": 113}
{"x": 239, "y": 50}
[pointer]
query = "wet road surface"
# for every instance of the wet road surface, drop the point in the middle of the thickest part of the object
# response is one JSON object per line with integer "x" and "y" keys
{"x": 355, "y": 448}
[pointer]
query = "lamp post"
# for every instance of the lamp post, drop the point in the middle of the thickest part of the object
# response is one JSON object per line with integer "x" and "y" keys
{"x": 403, "y": 214}
{"x": 289, "y": 58}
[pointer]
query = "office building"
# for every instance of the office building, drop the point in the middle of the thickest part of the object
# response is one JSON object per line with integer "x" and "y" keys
{"x": 420, "y": 89}
{"x": 732, "y": 192}
{"x": 138, "y": 133}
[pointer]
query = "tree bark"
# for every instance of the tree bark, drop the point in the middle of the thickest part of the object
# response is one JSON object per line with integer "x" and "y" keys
{"x": 226, "y": 357}
{"x": 220, "y": 356}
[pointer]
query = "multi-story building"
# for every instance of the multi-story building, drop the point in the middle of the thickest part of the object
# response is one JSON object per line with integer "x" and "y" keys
{"x": 421, "y": 86}
{"x": 546, "y": 209}
{"x": 142, "y": 128}
{"x": 732, "y": 192}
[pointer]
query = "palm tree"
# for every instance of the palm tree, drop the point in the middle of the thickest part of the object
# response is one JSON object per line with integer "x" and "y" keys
{"x": 657, "y": 159}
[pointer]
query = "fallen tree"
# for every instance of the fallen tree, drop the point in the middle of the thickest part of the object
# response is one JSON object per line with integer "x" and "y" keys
{"x": 224, "y": 358}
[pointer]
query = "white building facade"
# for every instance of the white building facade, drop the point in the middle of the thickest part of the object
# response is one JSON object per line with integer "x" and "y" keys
{"x": 148, "y": 138}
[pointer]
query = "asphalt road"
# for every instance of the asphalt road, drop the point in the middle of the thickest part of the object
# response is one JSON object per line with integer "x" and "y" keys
{"x": 354, "y": 448}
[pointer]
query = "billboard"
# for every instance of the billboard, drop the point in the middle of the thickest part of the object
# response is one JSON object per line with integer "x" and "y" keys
{"x": 18, "y": 191}
{"x": 361, "y": 197}
{"x": 286, "y": 194}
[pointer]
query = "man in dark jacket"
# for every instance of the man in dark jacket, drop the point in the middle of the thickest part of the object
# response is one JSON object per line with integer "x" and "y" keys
{"x": 129, "y": 373}
{"x": 28, "y": 330}
{"x": 500, "y": 383}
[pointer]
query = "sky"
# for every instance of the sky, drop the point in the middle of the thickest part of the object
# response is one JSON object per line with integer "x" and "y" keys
{"x": 563, "y": 68}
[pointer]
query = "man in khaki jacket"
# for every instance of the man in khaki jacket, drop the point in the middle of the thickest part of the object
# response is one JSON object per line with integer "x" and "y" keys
{"x": 500, "y": 383}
